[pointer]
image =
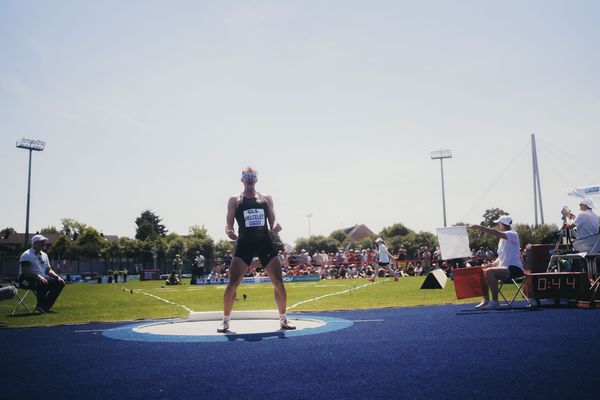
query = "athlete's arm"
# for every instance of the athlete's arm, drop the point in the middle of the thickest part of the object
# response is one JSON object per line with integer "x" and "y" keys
{"x": 275, "y": 227}
{"x": 231, "y": 206}
{"x": 487, "y": 230}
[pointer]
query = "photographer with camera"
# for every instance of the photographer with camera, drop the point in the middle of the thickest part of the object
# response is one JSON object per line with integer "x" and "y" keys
{"x": 587, "y": 226}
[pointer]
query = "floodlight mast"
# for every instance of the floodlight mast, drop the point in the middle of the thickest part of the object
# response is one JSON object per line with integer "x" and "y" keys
{"x": 31, "y": 145}
{"x": 441, "y": 154}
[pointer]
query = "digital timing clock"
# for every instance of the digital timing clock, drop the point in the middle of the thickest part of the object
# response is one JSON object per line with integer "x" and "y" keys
{"x": 559, "y": 285}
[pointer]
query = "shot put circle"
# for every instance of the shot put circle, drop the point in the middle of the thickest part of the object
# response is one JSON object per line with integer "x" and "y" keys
{"x": 248, "y": 326}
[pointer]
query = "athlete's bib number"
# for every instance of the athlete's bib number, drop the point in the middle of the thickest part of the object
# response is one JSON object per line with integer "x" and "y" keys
{"x": 254, "y": 217}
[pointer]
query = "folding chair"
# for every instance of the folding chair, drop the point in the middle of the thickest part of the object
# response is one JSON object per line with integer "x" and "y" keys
{"x": 518, "y": 278}
{"x": 21, "y": 299}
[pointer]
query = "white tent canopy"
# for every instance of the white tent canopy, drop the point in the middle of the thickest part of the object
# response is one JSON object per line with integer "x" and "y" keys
{"x": 584, "y": 191}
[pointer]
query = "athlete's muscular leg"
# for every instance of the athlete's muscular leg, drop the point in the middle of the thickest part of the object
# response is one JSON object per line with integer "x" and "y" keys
{"x": 273, "y": 268}
{"x": 237, "y": 270}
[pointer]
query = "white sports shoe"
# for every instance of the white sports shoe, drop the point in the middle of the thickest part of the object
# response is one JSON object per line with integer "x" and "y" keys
{"x": 223, "y": 326}
{"x": 482, "y": 304}
{"x": 493, "y": 305}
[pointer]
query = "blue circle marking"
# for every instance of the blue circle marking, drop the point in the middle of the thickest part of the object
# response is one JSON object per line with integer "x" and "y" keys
{"x": 127, "y": 332}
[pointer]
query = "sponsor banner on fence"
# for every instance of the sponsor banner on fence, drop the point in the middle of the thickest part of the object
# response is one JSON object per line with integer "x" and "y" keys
{"x": 302, "y": 278}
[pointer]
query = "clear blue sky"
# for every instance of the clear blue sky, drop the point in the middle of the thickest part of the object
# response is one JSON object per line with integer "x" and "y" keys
{"x": 159, "y": 105}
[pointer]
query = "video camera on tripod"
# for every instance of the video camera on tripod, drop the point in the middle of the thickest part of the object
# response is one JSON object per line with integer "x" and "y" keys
{"x": 565, "y": 235}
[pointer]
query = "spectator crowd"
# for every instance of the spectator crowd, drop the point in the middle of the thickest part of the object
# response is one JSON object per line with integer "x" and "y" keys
{"x": 360, "y": 263}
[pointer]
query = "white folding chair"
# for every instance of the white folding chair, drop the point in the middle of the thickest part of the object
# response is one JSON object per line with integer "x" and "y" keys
{"x": 518, "y": 278}
{"x": 22, "y": 299}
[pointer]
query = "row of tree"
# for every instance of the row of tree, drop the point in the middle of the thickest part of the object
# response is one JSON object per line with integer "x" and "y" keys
{"x": 153, "y": 242}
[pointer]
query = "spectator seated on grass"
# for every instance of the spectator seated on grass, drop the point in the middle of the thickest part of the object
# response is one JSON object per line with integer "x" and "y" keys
{"x": 173, "y": 279}
{"x": 418, "y": 269}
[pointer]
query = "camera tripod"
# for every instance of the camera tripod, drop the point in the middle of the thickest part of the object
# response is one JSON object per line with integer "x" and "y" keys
{"x": 566, "y": 236}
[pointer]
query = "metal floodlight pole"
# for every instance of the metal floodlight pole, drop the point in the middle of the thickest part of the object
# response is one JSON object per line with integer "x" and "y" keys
{"x": 441, "y": 154}
{"x": 31, "y": 145}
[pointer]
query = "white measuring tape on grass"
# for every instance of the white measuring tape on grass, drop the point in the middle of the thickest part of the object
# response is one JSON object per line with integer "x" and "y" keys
{"x": 161, "y": 299}
{"x": 329, "y": 295}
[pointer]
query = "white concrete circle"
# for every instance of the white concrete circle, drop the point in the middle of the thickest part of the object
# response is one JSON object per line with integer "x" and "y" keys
{"x": 244, "y": 325}
{"x": 236, "y": 327}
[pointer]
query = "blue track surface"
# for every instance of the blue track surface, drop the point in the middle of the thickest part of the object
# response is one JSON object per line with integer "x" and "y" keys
{"x": 436, "y": 352}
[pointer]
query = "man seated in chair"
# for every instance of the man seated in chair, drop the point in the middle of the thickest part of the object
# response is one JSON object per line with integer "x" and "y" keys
{"x": 35, "y": 273}
{"x": 506, "y": 265}
{"x": 587, "y": 224}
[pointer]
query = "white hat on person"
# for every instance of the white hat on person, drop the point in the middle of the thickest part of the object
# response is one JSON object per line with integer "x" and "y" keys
{"x": 587, "y": 202}
{"x": 378, "y": 240}
{"x": 38, "y": 238}
{"x": 505, "y": 219}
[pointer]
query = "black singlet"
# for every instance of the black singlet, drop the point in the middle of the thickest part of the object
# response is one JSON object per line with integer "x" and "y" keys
{"x": 251, "y": 215}
{"x": 253, "y": 231}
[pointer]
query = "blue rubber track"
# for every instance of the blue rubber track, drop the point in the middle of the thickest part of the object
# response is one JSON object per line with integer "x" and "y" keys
{"x": 437, "y": 352}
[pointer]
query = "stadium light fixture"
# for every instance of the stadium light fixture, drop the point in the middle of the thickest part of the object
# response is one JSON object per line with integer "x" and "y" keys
{"x": 441, "y": 154}
{"x": 309, "y": 216}
{"x": 31, "y": 145}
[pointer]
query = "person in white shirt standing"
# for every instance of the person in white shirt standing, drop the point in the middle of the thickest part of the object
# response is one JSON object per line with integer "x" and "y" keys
{"x": 35, "y": 273}
{"x": 384, "y": 261}
{"x": 507, "y": 264}
{"x": 197, "y": 268}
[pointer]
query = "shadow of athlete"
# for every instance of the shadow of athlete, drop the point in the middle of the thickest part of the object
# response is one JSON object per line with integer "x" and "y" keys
{"x": 254, "y": 214}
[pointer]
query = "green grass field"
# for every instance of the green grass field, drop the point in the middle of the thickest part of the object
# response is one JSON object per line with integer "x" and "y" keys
{"x": 86, "y": 302}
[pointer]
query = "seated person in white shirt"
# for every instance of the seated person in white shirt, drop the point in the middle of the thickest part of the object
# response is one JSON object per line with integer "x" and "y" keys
{"x": 587, "y": 224}
{"x": 35, "y": 273}
{"x": 508, "y": 262}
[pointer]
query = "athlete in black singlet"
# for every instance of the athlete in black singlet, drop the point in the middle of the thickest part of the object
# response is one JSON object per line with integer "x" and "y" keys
{"x": 253, "y": 234}
{"x": 254, "y": 214}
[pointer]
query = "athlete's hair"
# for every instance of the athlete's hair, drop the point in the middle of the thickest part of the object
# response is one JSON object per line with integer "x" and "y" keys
{"x": 249, "y": 170}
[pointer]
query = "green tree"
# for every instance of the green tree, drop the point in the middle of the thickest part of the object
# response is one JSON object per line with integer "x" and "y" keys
{"x": 48, "y": 230}
{"x": 63, "y": 248}
{"x": 525, "y": 232}
{"x": 149, "y": 226}
{"x": 112, "y": 250}
{"x": 545, "y": 234}
{"x": 317, "y": 243}
{"x": 71, "y": 226}
{"x": 175, "y": 245}
{"x": 479, "y": 239}
{"x": 129, "y": 247}
{"x": 394, "y": 230}
{"x": 339, "y": 236}
{"x": 223, "y": 247}
{"x": 398, "y": 234}
{"x": 6, "y": 232}
{"x": 146, "y": 248}
{"x": 490, "y": 215}
{"x": 426, "y": 239}
{"x": 199, "y": 240}
{"x": 365, "y": 243}
{"x": 90, "y": 243}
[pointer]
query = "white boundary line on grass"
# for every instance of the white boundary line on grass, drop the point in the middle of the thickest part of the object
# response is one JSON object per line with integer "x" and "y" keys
{"x": 161, "y": 299}
{"x": 289, "y": 308}
{"x": 329, "y": 295}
